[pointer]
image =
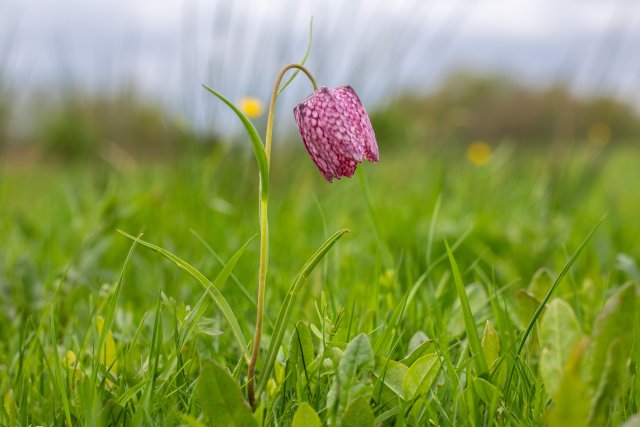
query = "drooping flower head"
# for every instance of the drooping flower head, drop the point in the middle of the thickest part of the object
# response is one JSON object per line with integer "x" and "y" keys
{"x": 336, "y": 131}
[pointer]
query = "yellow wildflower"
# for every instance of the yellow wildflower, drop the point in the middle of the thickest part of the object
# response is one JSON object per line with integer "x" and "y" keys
{"x": 252, "y": 107}
{"x": 479, "y": 153}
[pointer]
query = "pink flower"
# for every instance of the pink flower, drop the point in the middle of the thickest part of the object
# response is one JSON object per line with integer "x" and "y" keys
{"x": 336, "y": 131}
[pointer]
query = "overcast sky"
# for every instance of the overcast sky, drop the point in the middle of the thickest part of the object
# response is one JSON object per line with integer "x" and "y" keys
{"x": 167, "y": 48}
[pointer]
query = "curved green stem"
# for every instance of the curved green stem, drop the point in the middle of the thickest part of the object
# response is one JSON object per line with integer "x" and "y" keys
{"x": 264, "y": 229}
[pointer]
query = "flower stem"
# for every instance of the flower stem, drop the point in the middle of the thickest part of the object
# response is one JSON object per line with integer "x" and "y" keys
{"x": 264, "y": 229}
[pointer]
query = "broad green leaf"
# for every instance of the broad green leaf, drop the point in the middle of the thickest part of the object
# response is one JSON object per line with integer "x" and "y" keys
{"x": 570, "y": 405}
{"x": 351, "y": 381}
{"x": 469, "y": 322}
{"x": 359, "y": 414}
{"x": 540, "y": 283}
{"x": 490, "y": 344}
{"x": 256, "y": 143}
{"x": 305, "y": 416}
{"x": 392, "y": 374}
{"x": 486, "y": 391}
{"x": 210, "y": 288}
{"x": 420, "y": 376}
{"x": 416, "y": 340}
{"x": 612, "y": 381}
{"x": 558, "y": 333}
{"x": 288, "y": 304}
{"x": 221, "y": 398}
{"x": 526, "y": 305}
{"x": 419, "y": 345}
{"x": 616, "y": 321}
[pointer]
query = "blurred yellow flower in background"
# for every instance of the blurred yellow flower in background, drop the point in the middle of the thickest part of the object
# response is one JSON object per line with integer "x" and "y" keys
{"x": 252, "y": 107}
{"x": 479, "y": 153}
{"x": 599, "y": 134}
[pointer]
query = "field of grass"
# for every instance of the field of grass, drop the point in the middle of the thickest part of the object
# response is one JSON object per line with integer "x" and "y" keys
{"x": 388, "y": 329}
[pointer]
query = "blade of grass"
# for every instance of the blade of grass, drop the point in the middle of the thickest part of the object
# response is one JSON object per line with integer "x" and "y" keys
{"x": 385, "y": 253}
{"x": 288, "y": 303}
{"x": 432, "y": 229}
{"x": 57, "y": 370}
{"x": 112, "y": 305}
{"x": 469, "y": 322}
{"x": 302, "y": 61}
{"x": 219, "y": 259}
{"x": 213, "y": 291}
{"x": 553, "y": 287}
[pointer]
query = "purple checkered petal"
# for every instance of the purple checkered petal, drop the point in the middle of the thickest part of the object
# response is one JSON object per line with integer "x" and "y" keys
{"x": 336, "y": 131}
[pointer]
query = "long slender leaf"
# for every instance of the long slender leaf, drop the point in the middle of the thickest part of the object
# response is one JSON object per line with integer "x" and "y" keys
{"x": 553, "y": 287}
{"x": 469, "y": 322}
{"x": 302, "y": 61}
{"x": 211, "y": 288}
{"x": 288, "y": 303}
{"x": 256, "y": 143}
{"x": 57, "y": 371}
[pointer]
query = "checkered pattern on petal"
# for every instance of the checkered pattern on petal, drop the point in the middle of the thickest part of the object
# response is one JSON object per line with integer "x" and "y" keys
{"x": 336, "y": 131}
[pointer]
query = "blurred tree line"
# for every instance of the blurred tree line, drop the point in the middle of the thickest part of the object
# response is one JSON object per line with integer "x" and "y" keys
{"x": 465, "y": 108}
{"x": 119, "y": 127}
{"x": 471, "y": 107}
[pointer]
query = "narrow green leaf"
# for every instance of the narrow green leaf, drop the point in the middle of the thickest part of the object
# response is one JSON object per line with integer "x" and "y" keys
{"x": 420, "y": 376}
{"x": 221, "y": 398}
{"x": 553, "y": 287}
{"x": 558, "y": 333}
{"x": 302, "y": 61}
{"x": 469, "y": 322}
{"x": 301, "y": 355}
{"x": 211, "y": 288}
{"x": 112, "y": 305}
{"x": 288, "y": 304}
{"x": 555, "y": 284}
{"x": 256, "y": 143}
{"x": 305, "y": 416}
{"x": 131, "y": 391}
{"x": 57, "y": 370}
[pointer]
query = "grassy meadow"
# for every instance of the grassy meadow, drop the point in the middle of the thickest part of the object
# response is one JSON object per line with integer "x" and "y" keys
{"x": 388, "y": 329}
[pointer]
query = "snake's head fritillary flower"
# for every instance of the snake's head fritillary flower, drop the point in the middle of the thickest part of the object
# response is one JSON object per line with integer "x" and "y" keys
{"x": 336, "y": 131}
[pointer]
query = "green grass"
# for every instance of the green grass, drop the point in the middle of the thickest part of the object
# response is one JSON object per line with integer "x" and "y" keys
{"x": 378, "y": 331}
